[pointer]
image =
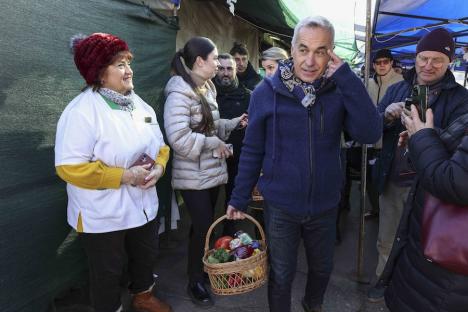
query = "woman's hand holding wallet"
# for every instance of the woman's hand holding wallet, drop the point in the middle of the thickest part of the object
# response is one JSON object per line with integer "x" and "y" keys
{"x": 153, "y": 177}
{"x": 136, "y": 175}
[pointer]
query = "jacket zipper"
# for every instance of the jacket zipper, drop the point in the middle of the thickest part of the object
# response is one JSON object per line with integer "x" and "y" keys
{"x": 311, "y": 159}
{"x": 321, "y": 120}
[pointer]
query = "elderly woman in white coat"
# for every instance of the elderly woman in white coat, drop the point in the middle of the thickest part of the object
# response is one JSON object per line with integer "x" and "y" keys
{"x": 196, "y": 134}
{"x": 112, "y": 202}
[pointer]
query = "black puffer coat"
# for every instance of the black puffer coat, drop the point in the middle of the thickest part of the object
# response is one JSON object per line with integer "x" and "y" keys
{"x": 415, "y": 284}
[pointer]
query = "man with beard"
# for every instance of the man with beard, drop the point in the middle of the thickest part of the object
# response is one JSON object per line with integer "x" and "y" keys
{"x": 233, "y": 100}
{"x": 245, "y": 71}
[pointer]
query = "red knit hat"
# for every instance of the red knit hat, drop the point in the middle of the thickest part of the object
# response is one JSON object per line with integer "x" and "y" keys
{"x": 94, "y": 53}
{"x": 438, "y": 40}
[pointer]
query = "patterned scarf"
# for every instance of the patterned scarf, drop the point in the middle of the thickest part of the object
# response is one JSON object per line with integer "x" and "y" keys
{"x": 304, "y": 91}
{"x": 125, "y": 102}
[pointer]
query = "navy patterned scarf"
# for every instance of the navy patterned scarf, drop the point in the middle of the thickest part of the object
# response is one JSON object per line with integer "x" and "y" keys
{"x": 306, "y": 92}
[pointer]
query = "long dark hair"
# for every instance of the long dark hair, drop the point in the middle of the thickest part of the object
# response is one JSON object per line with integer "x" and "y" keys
{"x": 197, "y": 46}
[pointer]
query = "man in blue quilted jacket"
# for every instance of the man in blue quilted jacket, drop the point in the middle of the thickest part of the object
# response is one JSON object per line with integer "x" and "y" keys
{"x": 295, "y": 122}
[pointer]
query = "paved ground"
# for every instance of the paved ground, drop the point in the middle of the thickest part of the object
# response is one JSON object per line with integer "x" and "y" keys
{"x": 343, "y": 293}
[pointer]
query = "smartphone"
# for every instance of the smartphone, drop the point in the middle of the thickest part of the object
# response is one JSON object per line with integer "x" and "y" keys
{"x": 228, "y": 145}
{"x": 419, "y": 98}
{"x": 144, "y": 159}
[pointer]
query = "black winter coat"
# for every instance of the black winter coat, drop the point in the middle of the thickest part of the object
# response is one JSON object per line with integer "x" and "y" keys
{"x": 451, "y": 103}
{"x": 249, "y": 78}
{"x": 233, "y": 102}
{"x": 415, "y": 284}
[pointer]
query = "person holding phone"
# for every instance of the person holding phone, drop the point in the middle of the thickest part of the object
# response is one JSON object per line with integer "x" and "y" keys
{"x": 110, "y": 151}
{"x": 295, "y": 122}
{"x": 446, "y": 98}
{"x": 196, "y": 134}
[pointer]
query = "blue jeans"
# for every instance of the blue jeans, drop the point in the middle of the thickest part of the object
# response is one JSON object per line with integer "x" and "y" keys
{"x": 283, "y": 233}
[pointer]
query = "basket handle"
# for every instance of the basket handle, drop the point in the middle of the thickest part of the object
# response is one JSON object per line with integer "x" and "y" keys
{"x": 208, "y": 234}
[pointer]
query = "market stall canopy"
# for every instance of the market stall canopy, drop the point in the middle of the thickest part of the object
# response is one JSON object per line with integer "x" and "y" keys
{"x": 400, "y": 24}
{"x": 270, "y": 16}
{"x": 280, "y": 16}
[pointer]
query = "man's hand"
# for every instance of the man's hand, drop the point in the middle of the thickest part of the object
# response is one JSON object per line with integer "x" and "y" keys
{"x": 234, "y": 214}
{"x": 413, "y": 123}
{"x": 393, "y": 111}
{"x": 334, "y": 63}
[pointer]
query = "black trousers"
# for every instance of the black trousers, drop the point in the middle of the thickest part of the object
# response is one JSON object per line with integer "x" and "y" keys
{"x": 200, "y": 205}
{"x": 109, "y": 254}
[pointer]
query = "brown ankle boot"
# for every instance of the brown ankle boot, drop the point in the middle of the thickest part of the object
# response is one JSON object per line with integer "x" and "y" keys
{"x": 146, "y": 302}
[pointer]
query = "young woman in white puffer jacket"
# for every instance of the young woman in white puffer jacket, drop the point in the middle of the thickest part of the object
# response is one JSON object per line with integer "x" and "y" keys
{"x": 196, "y": 134}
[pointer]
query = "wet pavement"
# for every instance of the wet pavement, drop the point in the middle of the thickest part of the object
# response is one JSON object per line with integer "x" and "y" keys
{"x": 344, "y": 294}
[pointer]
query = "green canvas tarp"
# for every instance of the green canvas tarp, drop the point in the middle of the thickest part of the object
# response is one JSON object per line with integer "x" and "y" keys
{"x": 39, "y": 255}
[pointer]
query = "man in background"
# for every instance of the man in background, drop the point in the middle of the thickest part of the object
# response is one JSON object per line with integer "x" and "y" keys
{"x": 233, "y": 100}
{"x": 245, "y": 71}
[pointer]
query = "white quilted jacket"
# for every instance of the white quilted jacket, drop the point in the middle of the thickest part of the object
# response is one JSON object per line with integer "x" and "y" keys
{"x": 193, "y": 165}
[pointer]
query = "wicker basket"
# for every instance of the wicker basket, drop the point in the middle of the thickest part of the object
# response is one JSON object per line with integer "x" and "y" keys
{"x": 237, "y": 277}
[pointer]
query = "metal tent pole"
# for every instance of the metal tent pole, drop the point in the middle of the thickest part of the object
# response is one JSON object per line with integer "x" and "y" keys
{"x": 466, "y": 76}
{"x": 362, "y": 232}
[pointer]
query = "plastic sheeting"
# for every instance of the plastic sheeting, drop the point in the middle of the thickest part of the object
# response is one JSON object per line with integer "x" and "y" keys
{"x": 408, "y": 14}
{"x": 39, "y": 254}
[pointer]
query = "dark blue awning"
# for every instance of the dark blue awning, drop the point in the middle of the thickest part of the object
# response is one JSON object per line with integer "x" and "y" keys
{"x": 400, "y": 24}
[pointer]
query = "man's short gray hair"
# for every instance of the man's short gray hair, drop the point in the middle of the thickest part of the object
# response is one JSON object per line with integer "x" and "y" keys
{"x": 313, "y": 21}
